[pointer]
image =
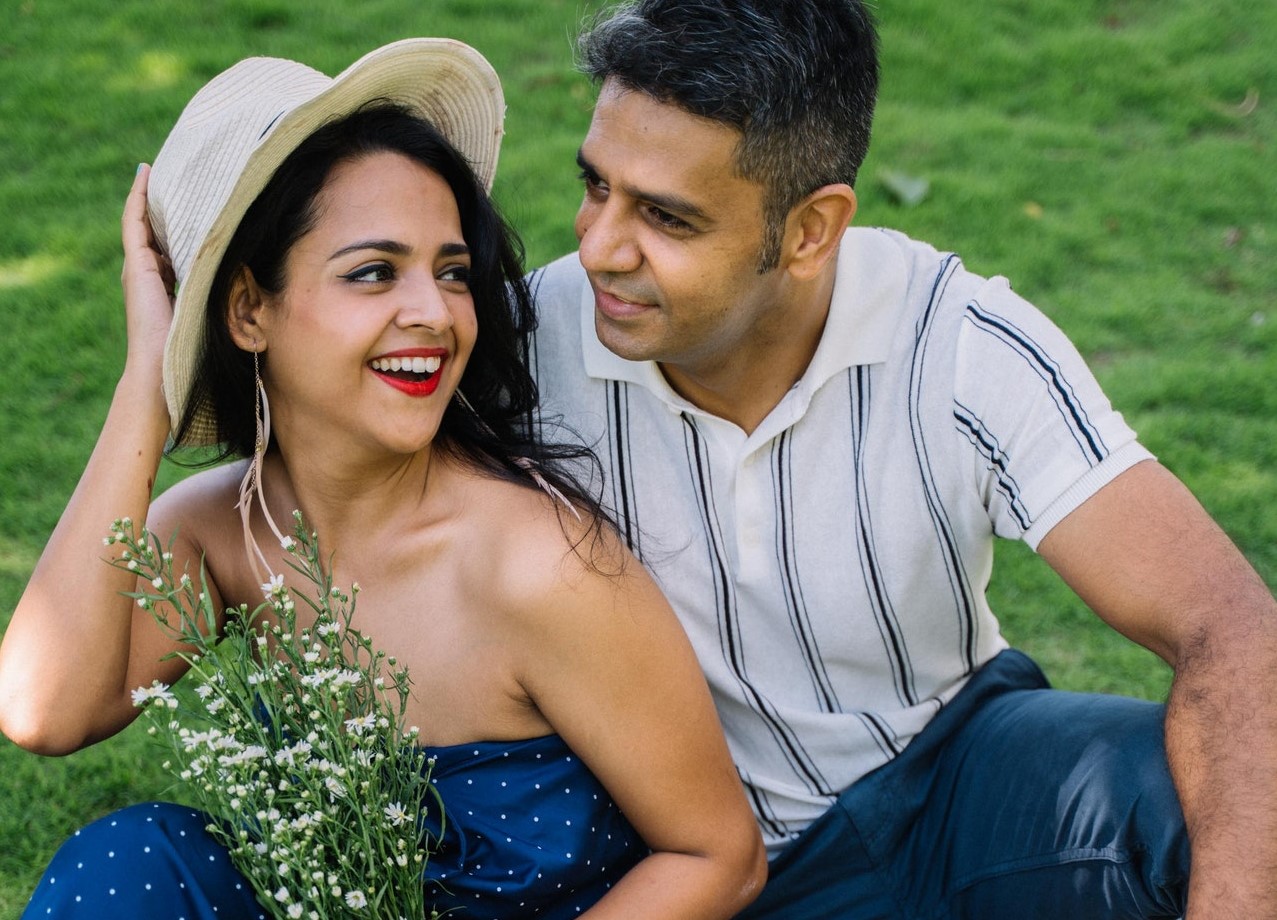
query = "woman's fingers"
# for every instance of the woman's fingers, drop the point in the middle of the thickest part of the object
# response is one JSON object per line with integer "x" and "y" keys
{"x": 147, "y": 277}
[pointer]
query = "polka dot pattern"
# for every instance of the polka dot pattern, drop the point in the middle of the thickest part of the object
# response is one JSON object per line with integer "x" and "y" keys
{"x": 529, "y": 833}
{"x": 151, "y": 860}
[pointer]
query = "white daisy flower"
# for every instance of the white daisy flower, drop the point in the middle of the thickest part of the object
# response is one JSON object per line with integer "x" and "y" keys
{"x": 395, "y": 814}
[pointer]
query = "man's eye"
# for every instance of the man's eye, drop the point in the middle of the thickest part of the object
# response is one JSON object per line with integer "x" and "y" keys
{"x": 667, "y": 220}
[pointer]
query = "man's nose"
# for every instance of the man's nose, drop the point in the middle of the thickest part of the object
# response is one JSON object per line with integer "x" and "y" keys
{"x": 607, "y": 243}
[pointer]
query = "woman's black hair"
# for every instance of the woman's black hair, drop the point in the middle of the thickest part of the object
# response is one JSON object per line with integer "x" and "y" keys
{"x": 497, "y": 434}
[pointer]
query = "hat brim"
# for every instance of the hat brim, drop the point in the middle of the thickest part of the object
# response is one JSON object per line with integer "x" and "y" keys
{"x": 444, "y": 81}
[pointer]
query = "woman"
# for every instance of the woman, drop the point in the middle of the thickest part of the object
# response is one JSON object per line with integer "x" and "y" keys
{"x": 333, "y": 248}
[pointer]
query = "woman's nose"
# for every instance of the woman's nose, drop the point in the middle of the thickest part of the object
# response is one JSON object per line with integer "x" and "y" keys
{"x": 422, "y": 303}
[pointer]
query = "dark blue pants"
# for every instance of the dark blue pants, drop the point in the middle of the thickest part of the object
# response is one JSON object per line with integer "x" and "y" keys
{"x": 1016, "y": 802}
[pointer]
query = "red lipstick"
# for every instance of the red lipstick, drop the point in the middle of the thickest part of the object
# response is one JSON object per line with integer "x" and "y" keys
{"x": 404, "y": 379}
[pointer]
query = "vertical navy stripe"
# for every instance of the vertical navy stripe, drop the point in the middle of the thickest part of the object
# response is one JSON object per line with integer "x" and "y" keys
{"x": 791, "y": 581}
{"x": 534, "y": 355}
{"x": 762, "y": 807}
{"x": 881, "y": 733}
{"x": 800, "y": 761}
{"x": 963, "y": 596}
{"x": 622, "y": 487}
{"x": 889, "y": 629}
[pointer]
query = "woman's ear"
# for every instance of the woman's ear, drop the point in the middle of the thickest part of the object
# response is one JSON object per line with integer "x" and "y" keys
{"x": 816, "y": 227}
{"x": 243, "y": 312}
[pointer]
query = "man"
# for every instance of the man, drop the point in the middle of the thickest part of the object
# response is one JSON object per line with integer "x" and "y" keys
{"x": 812, "y": 435}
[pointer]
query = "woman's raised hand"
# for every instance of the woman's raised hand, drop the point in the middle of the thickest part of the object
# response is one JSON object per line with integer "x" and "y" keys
{"x": 148, "y": 282}
{"x": 65, "y": 677}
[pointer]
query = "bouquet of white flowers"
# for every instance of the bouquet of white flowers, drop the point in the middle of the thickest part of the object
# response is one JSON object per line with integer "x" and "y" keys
{"x": 294, "y": 740}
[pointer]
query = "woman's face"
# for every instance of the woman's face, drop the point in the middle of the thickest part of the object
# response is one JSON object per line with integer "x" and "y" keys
{"x": 371, "y": 333}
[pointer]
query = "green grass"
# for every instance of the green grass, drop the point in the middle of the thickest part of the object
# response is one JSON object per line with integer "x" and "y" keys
{"x": 1112, "y": 157}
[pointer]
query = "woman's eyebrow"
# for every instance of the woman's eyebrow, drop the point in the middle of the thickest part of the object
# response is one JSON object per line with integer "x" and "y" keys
{"x": 393, "y": 247}
{"x": 396, "y": 248}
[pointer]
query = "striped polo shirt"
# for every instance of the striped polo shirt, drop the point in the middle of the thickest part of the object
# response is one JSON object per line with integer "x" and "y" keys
{"x": 830, "y": 567}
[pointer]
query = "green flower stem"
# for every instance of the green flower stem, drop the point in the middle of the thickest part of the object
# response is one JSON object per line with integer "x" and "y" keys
{"x": 293, "y": 737}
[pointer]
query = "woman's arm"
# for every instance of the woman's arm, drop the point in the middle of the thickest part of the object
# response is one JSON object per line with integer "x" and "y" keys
{"x": 75, "y": 646}
{"x": 611, "y": 669}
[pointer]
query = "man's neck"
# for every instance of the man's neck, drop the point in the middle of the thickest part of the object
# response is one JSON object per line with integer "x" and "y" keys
{"x": 743, "y": 390}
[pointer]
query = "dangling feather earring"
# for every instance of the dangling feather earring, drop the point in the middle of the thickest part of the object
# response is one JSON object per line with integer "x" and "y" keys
{"x": 524, "y": 463}
{"x": 252, "y": 482}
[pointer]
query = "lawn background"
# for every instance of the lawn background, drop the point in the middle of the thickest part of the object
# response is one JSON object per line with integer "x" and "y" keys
{"x": 1114, "y": 158}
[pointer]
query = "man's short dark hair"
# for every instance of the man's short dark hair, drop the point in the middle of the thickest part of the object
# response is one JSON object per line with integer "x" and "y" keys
{"x": 797, "y": 78}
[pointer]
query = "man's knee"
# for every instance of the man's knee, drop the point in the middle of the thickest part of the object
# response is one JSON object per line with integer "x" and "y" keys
{"x": 1085, "y": 798}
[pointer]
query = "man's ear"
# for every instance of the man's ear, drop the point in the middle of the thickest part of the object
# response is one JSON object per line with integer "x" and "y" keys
{"x": 243, "y": 312}
{"x": 815, "y": 227}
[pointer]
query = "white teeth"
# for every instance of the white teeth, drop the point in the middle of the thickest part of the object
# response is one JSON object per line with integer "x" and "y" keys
{"x": 412, "y": 365}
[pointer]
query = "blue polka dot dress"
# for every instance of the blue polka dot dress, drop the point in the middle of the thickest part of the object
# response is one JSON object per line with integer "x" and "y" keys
{"x": 529, "y": 833}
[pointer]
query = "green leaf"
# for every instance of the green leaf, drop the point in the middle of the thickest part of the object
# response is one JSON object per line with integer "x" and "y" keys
{"x": 903, "y": 188}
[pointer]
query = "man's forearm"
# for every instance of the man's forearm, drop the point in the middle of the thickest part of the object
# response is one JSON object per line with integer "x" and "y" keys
{"x": 1221, "y": 741}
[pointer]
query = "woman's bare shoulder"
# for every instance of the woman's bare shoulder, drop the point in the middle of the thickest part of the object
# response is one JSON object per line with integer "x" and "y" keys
{"x": 540, "y": 552}
{"x": 528, "y": 519}
{"x": 202, "y": 504}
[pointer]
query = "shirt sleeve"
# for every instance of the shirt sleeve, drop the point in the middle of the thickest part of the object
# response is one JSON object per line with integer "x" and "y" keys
{"x": 1041, "y": 434}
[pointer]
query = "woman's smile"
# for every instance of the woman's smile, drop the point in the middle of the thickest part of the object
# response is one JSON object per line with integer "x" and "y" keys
{"x": 413, "y": 371}
{"x": 378, "y": 307}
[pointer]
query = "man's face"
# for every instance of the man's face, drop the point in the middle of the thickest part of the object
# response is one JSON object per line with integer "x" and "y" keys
{"x": 670, "y": 238}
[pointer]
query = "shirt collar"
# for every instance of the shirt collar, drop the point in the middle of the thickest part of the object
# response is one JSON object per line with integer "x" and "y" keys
{"x": 864, "y": 312}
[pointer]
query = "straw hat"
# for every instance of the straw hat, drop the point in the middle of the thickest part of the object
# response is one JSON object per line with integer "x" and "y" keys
{"x": 243, "y": 124}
